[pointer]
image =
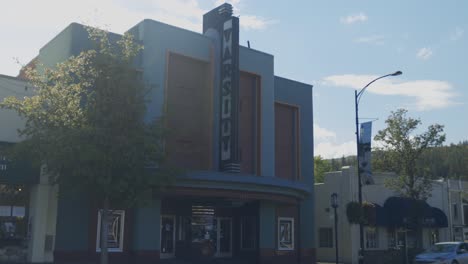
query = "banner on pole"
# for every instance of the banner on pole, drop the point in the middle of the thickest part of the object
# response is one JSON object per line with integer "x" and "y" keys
{"x": 365, "y": 139}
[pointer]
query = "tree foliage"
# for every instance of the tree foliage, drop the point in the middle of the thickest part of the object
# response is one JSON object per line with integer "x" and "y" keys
{"x": 365, "y": 214}
{"x": 450, "y": 161}
{"x": 321, "y": 166}
{"x": 338, "y": 163}
{"x": 86, "y": 123}
{"x": 445, "y": 162}
{"x": 401, "y": 151}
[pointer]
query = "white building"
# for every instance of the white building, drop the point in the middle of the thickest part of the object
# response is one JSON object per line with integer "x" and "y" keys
{"x": 384, "y": 242}
{"x": 27, "y": 227}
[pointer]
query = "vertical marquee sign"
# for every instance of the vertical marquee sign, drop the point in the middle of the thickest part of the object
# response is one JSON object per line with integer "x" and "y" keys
{"x": 221, "y": 20}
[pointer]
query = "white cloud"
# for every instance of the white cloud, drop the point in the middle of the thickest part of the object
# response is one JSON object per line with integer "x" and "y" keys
{"x": 118, "y": 16}
{"x": 457, "y": 34}
{"x": 424, "y": 53}
{"x": 351, "y": 19}
{"x": 374, "y": 39}
{"x": 326, "y": 146}
{"x": 321, "y": 133}
{"x": 427, "y": 94}
{"x": 32, "y": 27}
{"x": 330, "y": 150}
{"x": 248, "y": 22}
{"x": 232, "y": 2}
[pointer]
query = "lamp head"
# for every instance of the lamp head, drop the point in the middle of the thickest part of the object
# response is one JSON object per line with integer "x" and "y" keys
{"x": 396, "y": 73}
{"x": 334, "y": 200}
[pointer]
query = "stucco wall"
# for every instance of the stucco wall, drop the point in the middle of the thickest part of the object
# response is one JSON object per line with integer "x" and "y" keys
{"x": 11, "y": 121}
{"x": 300, "y": 94}
{"x": 158, "y": 39}
{"x": 345, "y": 184}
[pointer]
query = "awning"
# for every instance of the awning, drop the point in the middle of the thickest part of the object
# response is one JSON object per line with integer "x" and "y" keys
{"x": 411, "y": 213}
{"x": 381, "y": 216}
{"x": 435, "y": 218}
{"x": 375, "y": 214}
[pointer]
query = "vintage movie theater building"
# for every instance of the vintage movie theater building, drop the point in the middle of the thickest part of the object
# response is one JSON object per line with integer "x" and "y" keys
{"x": 244, "y": 137}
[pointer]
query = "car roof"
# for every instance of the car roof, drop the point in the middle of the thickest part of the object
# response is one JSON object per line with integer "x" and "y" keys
{"x": 448, "y": 243}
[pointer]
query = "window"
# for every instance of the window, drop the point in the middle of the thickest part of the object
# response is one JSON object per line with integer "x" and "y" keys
{"x": 185, "y": 223}
{"x": 285, "y": 233}
{"x": 457, "y": 234}
{"x": 371, "y": 237}
{"x": 433, "y": 236}
{"x": 115, "y": 230}
{"x": 391, "y": 238}
{"x": 188, "y": 113}
{"x": 287, "y": 150}
{"x": 167, "y": 235}
{"x": 3, "y": 163}
{"x": 5, "y": 210}
{"x": 325, "y": 237}
{"x": 455, "y": 211}
{"x": 463, "y": 246}
{"x": 249, "y": 123}
{"x": 248, "y": 232}
{"x": 465, "y": 214}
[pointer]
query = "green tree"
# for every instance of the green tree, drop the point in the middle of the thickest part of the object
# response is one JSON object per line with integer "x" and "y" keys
{"x": 86, "y": 125}
{"x": 401, "y": 151}
{"x": 321, "y": 166}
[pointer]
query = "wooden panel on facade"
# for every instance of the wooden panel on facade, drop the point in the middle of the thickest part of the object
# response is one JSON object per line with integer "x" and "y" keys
{"x": 249, "y": 116}
{"x": 188, "y": 113}
{"x": 286, "y": 141}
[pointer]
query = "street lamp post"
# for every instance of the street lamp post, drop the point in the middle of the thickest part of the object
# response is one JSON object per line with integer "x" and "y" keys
{"x": 334, "y": 204}
{"x": 357, "y": 98}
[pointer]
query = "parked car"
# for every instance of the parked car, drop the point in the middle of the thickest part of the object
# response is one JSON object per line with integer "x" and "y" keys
{"x": 444, "y": 253}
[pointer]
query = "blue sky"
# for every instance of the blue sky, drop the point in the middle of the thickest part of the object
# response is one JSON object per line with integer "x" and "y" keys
{"x": 337, "y": 46}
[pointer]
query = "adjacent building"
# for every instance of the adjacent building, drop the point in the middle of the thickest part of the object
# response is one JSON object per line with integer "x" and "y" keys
{"x": 244, "y": 135}
{"x": 400, "y": 226}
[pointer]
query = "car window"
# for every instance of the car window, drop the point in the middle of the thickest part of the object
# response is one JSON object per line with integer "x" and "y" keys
{"x": 463, "y": 246}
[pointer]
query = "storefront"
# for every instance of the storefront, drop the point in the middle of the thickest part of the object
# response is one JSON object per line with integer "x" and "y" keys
{"x": 13, "y": 223}
{"x": 411, "y": 225}
{"x": 212, "y": 228}
{"x": 16, "y": 181}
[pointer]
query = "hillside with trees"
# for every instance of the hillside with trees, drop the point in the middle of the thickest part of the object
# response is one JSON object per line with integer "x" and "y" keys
{"x": 439, "y": 162}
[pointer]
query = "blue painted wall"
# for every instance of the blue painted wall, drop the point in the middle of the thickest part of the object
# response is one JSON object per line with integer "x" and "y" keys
{"x": 146, "y": 228}
{"x": 158, "y": 39}
{"x": 72, "y": 223}
{"x": 267, "y": 219}
{"x": 300, "y": 94}
{"x": 69, "y": 42}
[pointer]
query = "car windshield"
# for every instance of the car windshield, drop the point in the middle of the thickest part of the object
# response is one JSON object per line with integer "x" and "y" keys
{"x": 442, "y": 248}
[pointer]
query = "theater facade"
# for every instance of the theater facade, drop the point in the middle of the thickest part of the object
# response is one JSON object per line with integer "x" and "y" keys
{"x": 243, "y": 136}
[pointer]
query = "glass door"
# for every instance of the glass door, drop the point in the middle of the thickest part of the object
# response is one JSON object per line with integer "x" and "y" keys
{"x": 402, "y": 245}
{"x": 224, "y": 237}
{"x": 167, "y": 236}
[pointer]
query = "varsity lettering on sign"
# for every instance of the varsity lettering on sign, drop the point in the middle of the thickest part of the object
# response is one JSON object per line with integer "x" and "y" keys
{"x": 226, "y": 99}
